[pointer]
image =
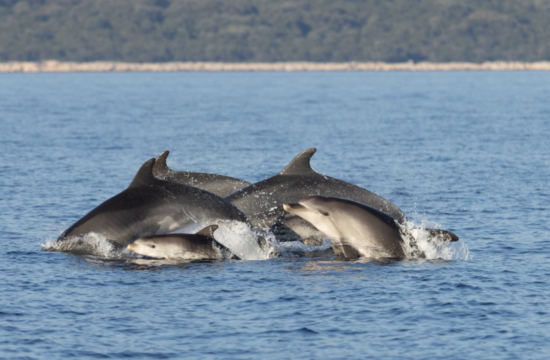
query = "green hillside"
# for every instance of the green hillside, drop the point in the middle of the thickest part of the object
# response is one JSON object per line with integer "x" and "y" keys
{"x": 269, "y": 30}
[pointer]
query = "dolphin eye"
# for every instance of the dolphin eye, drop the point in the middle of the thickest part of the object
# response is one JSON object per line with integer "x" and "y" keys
{"x": 152, "y": 246}
{"x": 324, "y": 213}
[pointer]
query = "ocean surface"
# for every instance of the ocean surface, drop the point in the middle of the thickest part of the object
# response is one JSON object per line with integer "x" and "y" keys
{"x": 464, "y": 151}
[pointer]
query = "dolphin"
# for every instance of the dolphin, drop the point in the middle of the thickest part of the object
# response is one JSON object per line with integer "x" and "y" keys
{"x": 356, "y": 229}
{"x": 216, "y": 184}
{"x": 150, "y": 206}
{"x": 199, "y": 246}
{"x": 262, "y": 202}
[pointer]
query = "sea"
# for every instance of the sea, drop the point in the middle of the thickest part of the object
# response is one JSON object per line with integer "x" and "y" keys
{"x": 467, "y": 152}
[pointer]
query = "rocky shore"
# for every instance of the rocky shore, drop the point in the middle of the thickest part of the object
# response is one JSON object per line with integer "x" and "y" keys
{"x": 52, "y": 66}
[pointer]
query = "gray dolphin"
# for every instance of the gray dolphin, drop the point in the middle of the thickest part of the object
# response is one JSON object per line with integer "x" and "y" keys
{"x": 150, "y": 206}
{"x": 216, "y": 184}
{"x": 355, "y": 229}
{"x": 199, "y": 246}
{"x": 262, "y": 202}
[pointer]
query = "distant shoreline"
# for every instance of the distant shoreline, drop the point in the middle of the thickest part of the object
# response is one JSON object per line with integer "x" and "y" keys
{"x": 53, "y": 66}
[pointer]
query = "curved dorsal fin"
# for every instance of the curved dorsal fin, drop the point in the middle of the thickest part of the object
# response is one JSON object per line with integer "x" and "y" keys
{"x": 160, "y": 168}
{"x": 208, "y": 231}
{"x": 300, "y": 164}
{"x": 144, "y": 175}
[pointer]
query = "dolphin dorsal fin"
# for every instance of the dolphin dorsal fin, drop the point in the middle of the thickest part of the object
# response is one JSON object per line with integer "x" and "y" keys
{"x": 208, "y": 231}
{"x": 300, "y": 164}
{"x": 144, "y": 175}
{"x": 160, "y": 168}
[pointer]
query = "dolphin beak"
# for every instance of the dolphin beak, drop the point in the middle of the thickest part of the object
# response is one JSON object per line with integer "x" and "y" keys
{"x": 132, "y": 247}
{"x": 293, "y": 208}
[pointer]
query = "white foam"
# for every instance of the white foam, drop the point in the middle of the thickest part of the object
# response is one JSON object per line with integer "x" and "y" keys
{"x": 89, "y": 244}
{"x": 298, "y": 247}
{"x": 433, "y": 247}
{"x": 242, "y": 240}
{"x": 237, "y": 236}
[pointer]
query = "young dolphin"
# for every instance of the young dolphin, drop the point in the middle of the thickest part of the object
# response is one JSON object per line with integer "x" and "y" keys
{"x": 199, "y": 246}
{"x": 355, "y": 229}
{"x": 150, "y": 206}
{"x": 262, "y": 202}
{"x": 216, "y": 184}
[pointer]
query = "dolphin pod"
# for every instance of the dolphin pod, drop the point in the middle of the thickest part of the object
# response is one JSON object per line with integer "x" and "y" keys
{"x": 157, "y": 215}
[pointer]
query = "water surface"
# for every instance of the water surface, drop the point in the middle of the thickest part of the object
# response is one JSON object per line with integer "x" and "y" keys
{"x": 464, "y": 151}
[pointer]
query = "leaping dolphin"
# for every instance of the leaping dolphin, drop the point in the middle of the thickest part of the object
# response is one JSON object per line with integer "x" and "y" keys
{"x": 355, "y": 229}
{"x": 150, "y": 206}
{"x": 262, "y": 202}
{"x": 216, "y": 184}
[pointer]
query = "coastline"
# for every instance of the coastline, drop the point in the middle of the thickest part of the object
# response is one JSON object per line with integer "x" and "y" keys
{"x": 53, "y": 66}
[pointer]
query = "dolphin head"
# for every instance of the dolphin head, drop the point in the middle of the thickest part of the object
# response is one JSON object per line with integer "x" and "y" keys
{"x": 312, "y": 204}
{"x": 317, "y": 211}
{"x": 156, "y": 248}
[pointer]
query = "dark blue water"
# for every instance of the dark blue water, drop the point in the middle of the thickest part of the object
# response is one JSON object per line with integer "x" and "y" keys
{"x": 468, "y": 152}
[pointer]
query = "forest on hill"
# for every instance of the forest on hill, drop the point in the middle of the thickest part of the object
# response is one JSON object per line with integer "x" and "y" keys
{"x": 273, "y": 31}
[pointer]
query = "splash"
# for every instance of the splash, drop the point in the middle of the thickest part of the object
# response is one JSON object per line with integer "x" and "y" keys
{"x": 421, "y": 243}
{"x": 89, "y": 244}
{"x": 238, "y": 237}
{"x": 250, "y": 244}
{"x": 298, "y": 248}
{"x": 246, "y": 242}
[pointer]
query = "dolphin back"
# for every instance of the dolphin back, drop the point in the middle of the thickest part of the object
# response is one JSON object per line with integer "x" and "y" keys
{"x": 262, "y": 202}
{"x": 220, "y": 185}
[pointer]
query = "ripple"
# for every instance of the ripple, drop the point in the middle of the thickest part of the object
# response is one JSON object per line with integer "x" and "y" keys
{"x": 463, "y": 156}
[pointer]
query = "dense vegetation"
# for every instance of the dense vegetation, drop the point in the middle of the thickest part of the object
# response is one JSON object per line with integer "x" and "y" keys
{"x": 269, "y": 30}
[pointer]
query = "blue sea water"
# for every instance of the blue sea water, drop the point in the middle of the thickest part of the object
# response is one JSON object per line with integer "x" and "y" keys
{"x": 466, "y": 151}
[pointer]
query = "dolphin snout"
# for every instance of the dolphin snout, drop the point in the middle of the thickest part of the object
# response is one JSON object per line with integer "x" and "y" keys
{"x": 293, "y": 207}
